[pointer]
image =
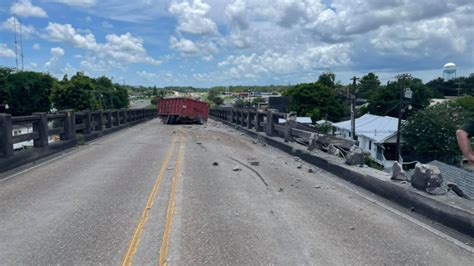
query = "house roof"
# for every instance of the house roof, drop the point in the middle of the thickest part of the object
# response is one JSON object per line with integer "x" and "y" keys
{"x": 374, "y": 127}
{"x": 458, "y": 176}
{"x": 301, "y": 119}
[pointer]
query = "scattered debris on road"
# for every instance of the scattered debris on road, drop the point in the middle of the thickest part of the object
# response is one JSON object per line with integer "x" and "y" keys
{"x": 215, "y": 163}
{"x": 317, "y": 186}
{"x": 310, "y": 170}
{"x": 236, "y": 168}
{"x": 280, "y": 190}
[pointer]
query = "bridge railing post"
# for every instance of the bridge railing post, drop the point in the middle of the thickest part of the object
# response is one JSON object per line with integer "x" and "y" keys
{"x": 100, "y": 123}
{"x": 108, "y": 115}
{"x": 69, "y": 125}
{"x": 88, "y": 123}
{"x": 6, "y": 138}
{"x": 41, "y": 126}
{"x": 269, "y": 129}
{"x": 249, "y": 120}
{"x": 125, "y": 118}
{"x": 258, "y": 120}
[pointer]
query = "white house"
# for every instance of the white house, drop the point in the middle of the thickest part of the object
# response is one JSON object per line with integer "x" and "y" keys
{"x": 376, "y": 134}
{"x": 300, "y": 119}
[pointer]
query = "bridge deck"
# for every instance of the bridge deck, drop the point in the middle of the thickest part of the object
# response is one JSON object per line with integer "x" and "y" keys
{"x": 133, "y": 197}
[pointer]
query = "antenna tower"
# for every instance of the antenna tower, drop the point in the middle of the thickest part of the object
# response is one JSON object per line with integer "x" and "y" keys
{"x": 15, "y": 41}
{"x": 21, "y": 45}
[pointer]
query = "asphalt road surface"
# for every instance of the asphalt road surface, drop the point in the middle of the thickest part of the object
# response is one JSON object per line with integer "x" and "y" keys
{"x": 187, "y": 195}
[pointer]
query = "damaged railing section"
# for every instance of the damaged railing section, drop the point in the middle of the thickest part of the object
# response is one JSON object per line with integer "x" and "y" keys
{"x": 268, "y": 122}
{"x": 63, "y": 126}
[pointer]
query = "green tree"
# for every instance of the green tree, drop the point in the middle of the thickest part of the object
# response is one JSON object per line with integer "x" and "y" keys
{"x": 368, "y": 85}
{"x": 386, "y": 100}
{"x": 78, "y": 93}
{"x": 328, "y": 79}
{"x": 467, "y": 103}
{"x": 26, "y": 92}
{"x": 430, "y": 133}
{"x": 316, "y": 100}
{"x": 214, "y": 98}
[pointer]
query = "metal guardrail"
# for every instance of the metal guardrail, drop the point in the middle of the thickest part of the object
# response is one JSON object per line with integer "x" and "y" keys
{"x": 267, "y": 122}
{"x": 66, "y": 124}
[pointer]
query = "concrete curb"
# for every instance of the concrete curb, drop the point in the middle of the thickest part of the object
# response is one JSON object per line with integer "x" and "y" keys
{"x": 30, "y": 155}
{"x": 450, "y": 216}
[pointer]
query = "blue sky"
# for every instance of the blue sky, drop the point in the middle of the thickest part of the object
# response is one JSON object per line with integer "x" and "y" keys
{"x": 204, "y": 43}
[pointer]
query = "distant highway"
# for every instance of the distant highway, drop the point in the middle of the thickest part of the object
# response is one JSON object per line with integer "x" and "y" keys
{"x": 139, "y": 104}
{"x": 195, "y": 195}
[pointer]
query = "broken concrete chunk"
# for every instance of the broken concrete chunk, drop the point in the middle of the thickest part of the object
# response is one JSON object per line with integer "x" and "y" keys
{"x": 355, "y": 156}
{"x": 310, "y": 170}
{"x": 299, "y": 166}
{"x": 215, "y": 163}
{"x": 398, "y": 173}
{"x": 333, "y": 150}
{"x": 426, "y": 177}
{"x": 236, "y": 168}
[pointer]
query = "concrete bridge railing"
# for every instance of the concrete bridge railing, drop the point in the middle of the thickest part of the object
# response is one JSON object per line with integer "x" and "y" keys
{"x": 268, "y": 122}
{"x": 63, "y": 126}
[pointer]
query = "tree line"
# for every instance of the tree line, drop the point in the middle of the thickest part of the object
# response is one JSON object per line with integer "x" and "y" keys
{"x": 27, "y": 92}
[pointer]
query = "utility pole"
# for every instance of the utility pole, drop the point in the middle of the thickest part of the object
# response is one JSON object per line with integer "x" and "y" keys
{"x": 352, "y": 96}
{"x": 459, "y": 83}
{"x": 401, "y": 85}
{"x": 15, "y": 41}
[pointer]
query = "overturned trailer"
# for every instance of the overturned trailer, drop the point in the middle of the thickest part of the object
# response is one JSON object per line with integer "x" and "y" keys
{"x": 182, "y": 111}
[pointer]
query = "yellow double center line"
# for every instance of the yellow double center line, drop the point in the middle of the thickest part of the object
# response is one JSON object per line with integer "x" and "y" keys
{"x": 133, "y": 245}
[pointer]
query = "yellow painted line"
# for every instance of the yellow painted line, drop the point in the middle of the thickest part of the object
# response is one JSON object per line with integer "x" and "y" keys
{"x": 132, "y": 246}
{"x": 170, "y": 213}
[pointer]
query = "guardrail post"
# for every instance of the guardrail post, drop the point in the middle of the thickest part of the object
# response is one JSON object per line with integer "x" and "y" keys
{"x": 258, "y": 120}
{"x": 249, "y": 120}
{"x": 41, "y": 126}
{"x": 125, "y": 118}
{"x": 117, "y": 114}
{"x": 288, "y": 129}
{"x": 6, "y": 139}
{"x": 108, "y": 115}
{"x": 69, "y": 125}
{"x": 88, "y": 122}
{"x": 100, "y": 123}
{"x": 269, "y": 129}
{"x": 242, "y": 118}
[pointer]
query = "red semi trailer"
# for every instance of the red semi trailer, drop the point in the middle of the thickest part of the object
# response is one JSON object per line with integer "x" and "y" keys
{"x": 182, "y": 110}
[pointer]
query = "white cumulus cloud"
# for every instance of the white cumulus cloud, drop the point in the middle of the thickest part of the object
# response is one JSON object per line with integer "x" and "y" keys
{"x": 78, "y": 3}
{"x": 56, "y": 54}
{"x": 11, "y": 23}
{"x": 123, "y": 48}
{"x": 24, "y": 8}
{"x": 193, "y": 18}
{"x": 5, "y": 51}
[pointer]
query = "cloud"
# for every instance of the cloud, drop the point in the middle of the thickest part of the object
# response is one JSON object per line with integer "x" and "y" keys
{"x": 9, "y": 24}
{"x": 205, "y": 49}
{"x": 236, "y": 14}
{"x": 124, "y": 48}
{"x": 291, "y": 62}
{"x": 36, "y": 46}
{"x": 78, "y": 3}
{"x": 193, "y": 18}
{"x": 24, "y": 8}
{"x": 56, "y": 54}
{"x": 5, "y": 51}
{"x": 183, "y": 45}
